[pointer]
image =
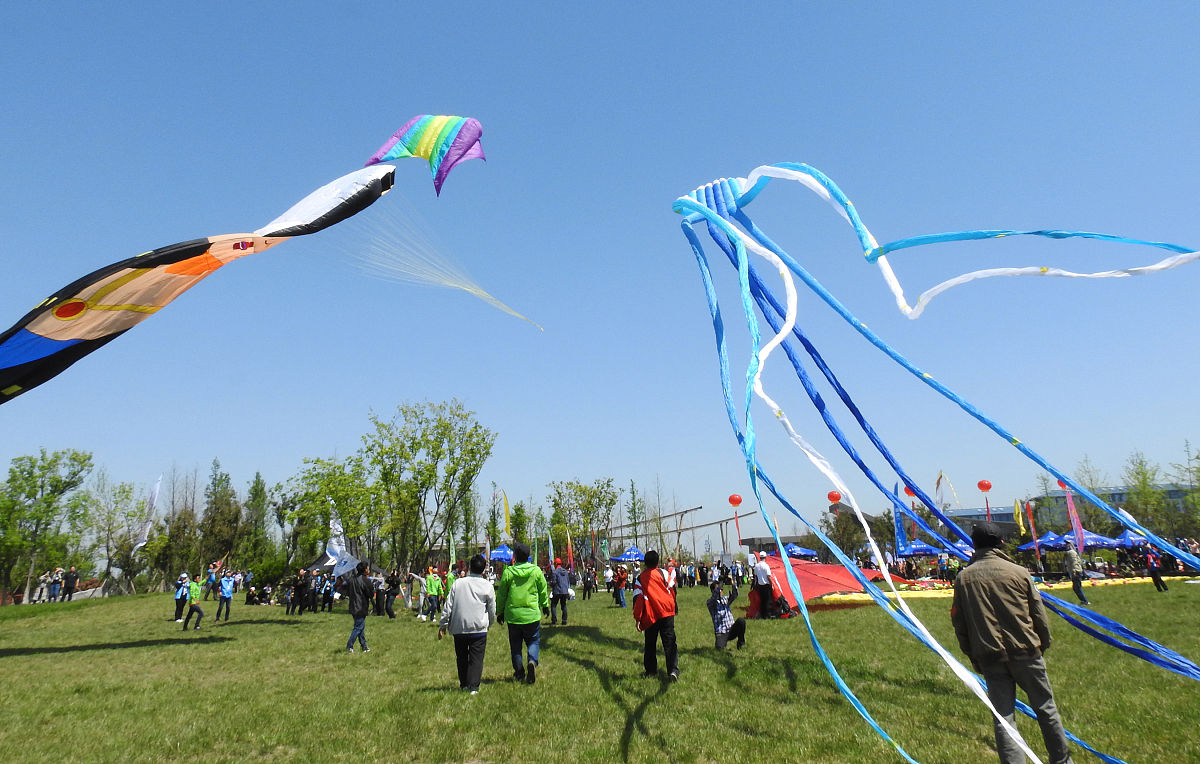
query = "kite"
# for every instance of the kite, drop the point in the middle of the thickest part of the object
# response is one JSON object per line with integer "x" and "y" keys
{"x": 96, "y": 309}
{"x": 444, "y": 141}
{"x": 720, "y": 206}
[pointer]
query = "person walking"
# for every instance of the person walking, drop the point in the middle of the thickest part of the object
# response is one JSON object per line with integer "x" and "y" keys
{"x": 1154, "y": 568}
{"x": 194, "y": 592}
{"x": 521, "y": 600}
{"x": 589, "y": 581}
{"x": 1001, "y": 626}
{"x": 469, "y": 612}
{"x": 762, "y": 585}
{"x": 1073, "y": 567}
{"x": 358, "y": 594}
{"x": 56, "y": 579}
{"x": 181, "y": 595}
{"x": 393, "y": 589}
{"x": 560, "y": 591}
{"x": 620, "y": 577}
{"x": 654, "y": 613}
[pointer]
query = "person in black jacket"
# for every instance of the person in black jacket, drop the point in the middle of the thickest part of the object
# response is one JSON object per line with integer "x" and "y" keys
{"x": 358, "y": 594}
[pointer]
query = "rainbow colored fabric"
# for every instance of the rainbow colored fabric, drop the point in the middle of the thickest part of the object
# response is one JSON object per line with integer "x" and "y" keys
{"x": 444, "y": 141}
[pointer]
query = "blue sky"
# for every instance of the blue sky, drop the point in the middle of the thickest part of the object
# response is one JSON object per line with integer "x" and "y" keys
{"x": 132, "y": 127}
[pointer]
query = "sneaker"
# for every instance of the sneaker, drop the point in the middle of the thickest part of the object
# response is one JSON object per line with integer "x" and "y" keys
{"x": 474, "y": 692}
{"x": 366, "y": 649}
{"x": 673, "y": 676}
{"x": 531, "y": 673}
{"x": 350, "y": 650}
{"x": 178, "y": 620}
{"x": 197, "y": 628}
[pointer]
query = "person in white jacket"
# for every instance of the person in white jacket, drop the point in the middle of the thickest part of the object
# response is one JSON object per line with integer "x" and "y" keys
{"x": 469, "y": 612}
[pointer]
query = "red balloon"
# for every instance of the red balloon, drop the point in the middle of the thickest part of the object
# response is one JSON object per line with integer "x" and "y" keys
{"x": 735, "y": 500}
{"x": 985, "y": 485}
{"x": 834, "y": 497}
{"x": 909, "y": 492}
{"x": 1061, "y": 484}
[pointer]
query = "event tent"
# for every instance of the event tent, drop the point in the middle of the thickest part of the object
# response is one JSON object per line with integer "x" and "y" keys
{"x": 632, "y": 554}
{"x": 502, "y": 553}
{"x": 1050, "y": 541}
{"x": 793, "y": 550}
{"x": 1128, "y": 539}
{"x": 917, "y": 548}
{"x": 1090, "y": 540}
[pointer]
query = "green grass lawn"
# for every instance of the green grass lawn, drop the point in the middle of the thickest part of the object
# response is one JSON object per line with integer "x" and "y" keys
{"x": 117, "y": 680}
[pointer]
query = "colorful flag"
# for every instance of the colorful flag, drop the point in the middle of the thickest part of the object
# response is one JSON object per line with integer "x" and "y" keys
{"x": 1033, "y": 529}
{"x": 1017, "y": 516}
{"x": 507, "y": 527}
{"x": 570, "y": 552}
{"x": 1075, "y": 524}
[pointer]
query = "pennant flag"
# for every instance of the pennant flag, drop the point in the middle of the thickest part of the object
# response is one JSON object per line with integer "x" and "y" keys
{"x": 336, "y": 547}
{"x": 507, "y": 526}
{"x": 1033, "y": 528}
{"x": 570, "y": 552}
{"x": 550, "y": 547}
{"x": 1017, "y": 517}
{"x": 1075, "y": 524}
{"x": 151, "y": 500}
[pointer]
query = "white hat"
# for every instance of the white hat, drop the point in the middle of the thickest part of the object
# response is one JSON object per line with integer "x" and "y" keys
{"x": 762, "y": 555}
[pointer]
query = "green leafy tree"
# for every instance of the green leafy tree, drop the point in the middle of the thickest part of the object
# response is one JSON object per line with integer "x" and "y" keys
{"x": 41, "y": 510}
{"x": 493, "y": 522}
{"x": 635, "y": 511}
{"x": 519, "y": 522}
{"x": 844, "y": 530}
{"x": 1144, "y": 498}
{"x": 254, "y": 543}
{"x": 222, "y": 519}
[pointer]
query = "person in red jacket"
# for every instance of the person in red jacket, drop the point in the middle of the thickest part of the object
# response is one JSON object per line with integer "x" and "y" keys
{"x": 654, "y": 613}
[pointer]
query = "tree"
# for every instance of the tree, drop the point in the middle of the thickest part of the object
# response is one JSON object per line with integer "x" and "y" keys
{"x": 254, "y": 544}
{"x": 222, "y": 520}
{"x": 845, "y": 531}
{"x": 39, "y": 505}
{"x": 1144, "y": 499}
{"x": 116, "y": 516}
{"x": 519, "y": 523}
{"x": 1091, "y": 516}
{"x": 635, "y": 510}
{"x": 578, "y": 508}
{"x": 493, "y": 522}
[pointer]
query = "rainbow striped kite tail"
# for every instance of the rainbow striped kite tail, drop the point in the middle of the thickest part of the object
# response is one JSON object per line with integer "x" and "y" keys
{"x": 465, "y": 145}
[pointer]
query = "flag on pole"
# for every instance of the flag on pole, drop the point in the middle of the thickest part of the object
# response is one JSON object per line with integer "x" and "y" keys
{"x": 550, "y": 547}
{"x": 336, "y": 547}
{"x": 151, "y": 500}
{"x": 1075, "y": 524}
{"x": 570, "y": 552}
{"x": 1017, "y": 516}
{"x": 507, "y": 527}
{"x": 1033, "y": 529}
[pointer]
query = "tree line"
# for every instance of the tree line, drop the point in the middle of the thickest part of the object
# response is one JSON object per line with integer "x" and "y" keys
{"x": 406, "y": 498}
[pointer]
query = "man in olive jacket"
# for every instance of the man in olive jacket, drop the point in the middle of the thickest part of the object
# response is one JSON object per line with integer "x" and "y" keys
{"x": 1001, "y": 625}
{"x": 359, "y": 591}
{"x": 522, "y": 600}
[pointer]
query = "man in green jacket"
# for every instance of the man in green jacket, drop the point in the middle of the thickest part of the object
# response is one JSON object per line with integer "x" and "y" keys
{"x": 522, "y": 600}
{"x": 194, "y": 592}
{"x": 433, "y": 596}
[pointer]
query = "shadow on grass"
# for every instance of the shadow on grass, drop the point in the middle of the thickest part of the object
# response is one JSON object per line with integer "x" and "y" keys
{"x": 258, "y": 621}
{"x": 609, "y": 680}
{"x": 205, "y": 639}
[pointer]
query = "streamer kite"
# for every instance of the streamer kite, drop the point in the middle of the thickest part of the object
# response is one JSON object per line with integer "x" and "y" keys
{"x": 720, "y": 206}
{"x": 94, "y": 310}
{"x": 445, "y": 141}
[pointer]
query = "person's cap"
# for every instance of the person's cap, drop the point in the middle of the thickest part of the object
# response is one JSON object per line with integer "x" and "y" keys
{"x": 762, "y": 555}
{"x": 558, "y": 561}
{"x": 986, "y": 535}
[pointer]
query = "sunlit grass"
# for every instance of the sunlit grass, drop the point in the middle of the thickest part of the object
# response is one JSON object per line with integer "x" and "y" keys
{"x": 119, "y": 681}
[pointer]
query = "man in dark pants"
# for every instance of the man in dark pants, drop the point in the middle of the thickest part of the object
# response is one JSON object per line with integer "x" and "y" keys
{"x": 358, "y": 595}
{"x": 1001, "y": 625}
{"x": 299, "y": 592}
{"x": 70, "y": 581}
{"x": 560, "y": 591}
{"x": 654, "y": 612}
{"x": 762, "y": 585}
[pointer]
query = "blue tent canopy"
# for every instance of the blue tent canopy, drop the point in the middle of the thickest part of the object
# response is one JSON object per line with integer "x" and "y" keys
{"x": 1091, "y": 540}
{"x": 632, "y": 554}
{"x": 1049, "y": 540}
{"x": 917, "y": 548}
{"x": 501, "y": 553}
{"x": 794, "y": 550}
{"x": 1128, "y": 539}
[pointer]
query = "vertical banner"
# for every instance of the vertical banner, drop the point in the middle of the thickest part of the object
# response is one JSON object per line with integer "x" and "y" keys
{"x": 1075, "y": 524}
{"x": 737, "y": 525}
{"x": 507, "y": 527}
{"x": 1033, "y": 529}
{"x": 1017, "y": 516}
{"x": 570, "y": 552}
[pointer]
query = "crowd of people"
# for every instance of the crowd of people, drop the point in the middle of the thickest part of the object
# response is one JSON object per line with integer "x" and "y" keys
{"x": 56, "y": 585}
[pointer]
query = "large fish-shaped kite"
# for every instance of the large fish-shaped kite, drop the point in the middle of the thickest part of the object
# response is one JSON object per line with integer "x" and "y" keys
{"x": 96, "y": 309}
{"x": 444, "y": 141}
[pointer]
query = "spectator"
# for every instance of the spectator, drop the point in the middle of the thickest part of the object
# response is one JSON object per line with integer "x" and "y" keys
{"x": 654, "y": 614}
{"x": 469, "y": 612}
{"x": 521, "y": 599}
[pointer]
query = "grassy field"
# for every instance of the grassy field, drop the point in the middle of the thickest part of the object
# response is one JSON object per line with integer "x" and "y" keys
{"x": 117, "y": 680}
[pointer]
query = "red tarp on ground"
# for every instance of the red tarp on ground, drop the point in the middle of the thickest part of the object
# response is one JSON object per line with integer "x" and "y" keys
{"x": 816, "y": 580}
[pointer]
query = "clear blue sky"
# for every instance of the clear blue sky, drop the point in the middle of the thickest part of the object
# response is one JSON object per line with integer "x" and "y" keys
{"x": 129, "y": 127}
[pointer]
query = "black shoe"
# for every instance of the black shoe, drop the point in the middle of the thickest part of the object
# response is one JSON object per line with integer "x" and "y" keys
{"x": 531, "y": 673}
{"x": 741, "y": 643}
{"x": 519, "y": 676}
{"x": 673, "y": 676}
{"x": 366, "y": 649}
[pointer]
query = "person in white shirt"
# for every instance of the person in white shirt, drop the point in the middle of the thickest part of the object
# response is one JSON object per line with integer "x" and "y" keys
{"x": 762, "y": 585}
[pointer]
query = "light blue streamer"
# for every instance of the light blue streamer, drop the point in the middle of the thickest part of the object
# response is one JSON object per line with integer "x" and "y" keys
{"x": 701, "y": 210}
{"x": 940, "y": 238}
